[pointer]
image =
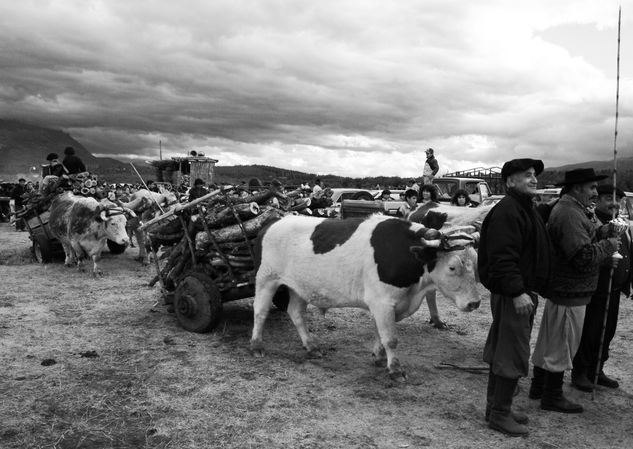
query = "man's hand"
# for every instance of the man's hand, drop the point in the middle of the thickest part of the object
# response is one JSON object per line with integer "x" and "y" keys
{"x": 523, "y": 304}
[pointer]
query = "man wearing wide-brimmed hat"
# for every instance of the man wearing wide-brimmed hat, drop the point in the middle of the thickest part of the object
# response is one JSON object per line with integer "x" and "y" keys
{"x": 514, "y": 264}
{"x": 586, "y": 359}
{"x": 579, "y": 252}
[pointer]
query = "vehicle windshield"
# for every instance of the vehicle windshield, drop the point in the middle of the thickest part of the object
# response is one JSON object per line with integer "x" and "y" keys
{"x": 446, "y": 188}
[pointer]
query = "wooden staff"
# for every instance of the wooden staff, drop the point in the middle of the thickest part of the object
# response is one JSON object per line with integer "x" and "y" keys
{"x": 616, "y": 255}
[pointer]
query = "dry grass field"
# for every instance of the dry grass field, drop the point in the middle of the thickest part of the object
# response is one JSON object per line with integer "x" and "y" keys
{"x": 101, "y": 363}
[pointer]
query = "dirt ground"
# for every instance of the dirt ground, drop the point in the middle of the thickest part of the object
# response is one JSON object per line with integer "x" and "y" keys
{"x": 101, "y": 363}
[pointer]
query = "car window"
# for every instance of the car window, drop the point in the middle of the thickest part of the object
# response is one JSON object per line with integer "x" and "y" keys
{"x": 446, "y": 188}
{"x": 471, "y": 187}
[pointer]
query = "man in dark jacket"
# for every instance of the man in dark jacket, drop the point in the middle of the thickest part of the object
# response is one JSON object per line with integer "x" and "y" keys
{"x": 72, "y": 163}
{"x": 579, "y": 252}
{"x": 514, "y": 264}
{"x": 17, "y": 195}
{"x": 198, "y": 190}
{"x": 586, "y": 358}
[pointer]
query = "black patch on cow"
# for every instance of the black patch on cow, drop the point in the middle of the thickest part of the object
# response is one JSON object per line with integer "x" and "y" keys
{"x": 434, "y": 220}
{"x": 333, "y": 232}
{"x": 418, "y": 215}
{"x": 397, "y": 265}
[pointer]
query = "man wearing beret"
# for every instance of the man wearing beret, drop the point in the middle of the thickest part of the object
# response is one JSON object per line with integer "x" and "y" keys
{"x": 579, "y": 252}
{"x": 514, "y": 264}
{"x": 586, "y": 359}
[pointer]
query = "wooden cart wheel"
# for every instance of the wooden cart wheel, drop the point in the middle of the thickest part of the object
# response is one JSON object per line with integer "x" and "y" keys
{"x": 115, "y": 248}
{"x": 42, "y": 250}
{"x": 197, "y": 303}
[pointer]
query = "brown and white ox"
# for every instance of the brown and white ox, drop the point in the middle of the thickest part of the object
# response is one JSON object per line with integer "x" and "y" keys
{"x": 83, "y": 226}
{"x": 382, "y": 264}
{"x": 145, "y": 205}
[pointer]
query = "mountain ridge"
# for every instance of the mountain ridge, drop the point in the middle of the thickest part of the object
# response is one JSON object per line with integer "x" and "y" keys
{"x": 24, "y": 147}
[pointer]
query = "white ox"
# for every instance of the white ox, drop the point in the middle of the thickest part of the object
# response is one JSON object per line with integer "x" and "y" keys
{"x": 83, "y": 226}
{"x": 440, "y": 216}
{"x": 145, "y": 204}
{"x": 381, "y": 264}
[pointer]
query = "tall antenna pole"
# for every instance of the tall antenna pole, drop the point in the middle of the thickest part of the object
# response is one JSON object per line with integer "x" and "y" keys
{"x": 616, "y": 255}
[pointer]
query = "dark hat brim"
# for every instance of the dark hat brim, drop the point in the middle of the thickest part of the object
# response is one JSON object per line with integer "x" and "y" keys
{"x": 582, "y": 181}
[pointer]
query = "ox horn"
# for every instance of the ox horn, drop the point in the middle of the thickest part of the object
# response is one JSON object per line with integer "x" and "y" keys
{"x": 103, "y": 215}
{"x": 129, "y": 211}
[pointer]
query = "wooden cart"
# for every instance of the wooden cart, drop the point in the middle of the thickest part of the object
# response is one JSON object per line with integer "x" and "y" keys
{"x": 196, "y": 282}
{"x": 45, "y": 246}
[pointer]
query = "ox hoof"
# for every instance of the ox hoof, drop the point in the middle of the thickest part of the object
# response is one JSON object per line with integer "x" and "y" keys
{"x": 398, "y": 376}
{"x": 257, "y": 349}
{"x": 380, "y": 363}
{"x": 438, "y": 324}
{"x": 314, "y": 353}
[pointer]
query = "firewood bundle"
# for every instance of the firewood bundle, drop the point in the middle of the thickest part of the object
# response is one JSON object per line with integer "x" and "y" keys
{"x": 217, "y": 235}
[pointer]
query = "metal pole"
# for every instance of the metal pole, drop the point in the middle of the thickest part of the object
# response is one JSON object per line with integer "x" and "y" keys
{"x": 616, "y": 255}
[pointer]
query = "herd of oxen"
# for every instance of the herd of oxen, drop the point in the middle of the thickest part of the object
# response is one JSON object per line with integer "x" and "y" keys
{"x": 383, "y": 264}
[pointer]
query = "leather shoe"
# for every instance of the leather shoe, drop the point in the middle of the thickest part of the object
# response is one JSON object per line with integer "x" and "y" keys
{"x": 606, "y": 381}
{"x": 581, "y": 382}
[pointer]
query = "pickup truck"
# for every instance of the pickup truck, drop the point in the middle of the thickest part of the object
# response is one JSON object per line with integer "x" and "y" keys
{"x": 478, "y": 189}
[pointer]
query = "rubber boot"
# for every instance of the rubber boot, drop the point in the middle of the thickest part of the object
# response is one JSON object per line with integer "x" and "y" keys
{"x": 580, "y": 380}
{"x": 553, "y": 399}
{"x": 501, "y": 411}
{"x": 519, "y": 417}
{"x": 536, "y": 387}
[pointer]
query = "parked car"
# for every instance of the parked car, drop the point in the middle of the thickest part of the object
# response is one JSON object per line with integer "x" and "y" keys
{"x": 340, "y": 194}
{"x": 548, "y": 194}
{"x": 491, "y": 200}
{"x": 478, "y": 189}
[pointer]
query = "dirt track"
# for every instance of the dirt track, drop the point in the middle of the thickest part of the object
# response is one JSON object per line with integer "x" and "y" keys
{"x": 121, "y": 373}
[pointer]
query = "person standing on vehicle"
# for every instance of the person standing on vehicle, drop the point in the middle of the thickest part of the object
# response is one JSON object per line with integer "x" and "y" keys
{"x": 514, "y": 264}
{"x": 579, "y": 252}
{"x": 73, "y": 163}
{"x": 17, "y": 195}
{"x": 431, "y": 167}
{"x": 586, "y": 358}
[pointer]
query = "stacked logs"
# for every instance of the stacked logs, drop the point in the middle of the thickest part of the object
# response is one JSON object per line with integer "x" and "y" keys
{"x": 217, "y": 235}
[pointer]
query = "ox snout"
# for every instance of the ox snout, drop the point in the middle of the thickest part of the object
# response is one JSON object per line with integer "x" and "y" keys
{"x": 472, "y": 306}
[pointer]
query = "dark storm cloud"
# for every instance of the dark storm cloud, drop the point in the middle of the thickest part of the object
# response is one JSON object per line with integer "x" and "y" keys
{"x": 346, "y": 87}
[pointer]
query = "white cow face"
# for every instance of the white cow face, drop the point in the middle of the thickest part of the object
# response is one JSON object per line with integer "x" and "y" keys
{"x": 455, "y": 275}
{"x": 115, "y": 229}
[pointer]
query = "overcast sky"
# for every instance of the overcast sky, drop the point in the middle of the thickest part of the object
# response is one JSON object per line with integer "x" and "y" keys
{"x": 354, "y": 88}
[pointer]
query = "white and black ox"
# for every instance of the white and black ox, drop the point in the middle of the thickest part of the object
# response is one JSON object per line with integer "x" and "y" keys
{"x": 382, "y": 264}
{"x": 83, "y": 226}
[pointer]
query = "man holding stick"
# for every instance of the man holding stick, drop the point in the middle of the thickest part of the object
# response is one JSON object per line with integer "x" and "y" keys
{"x": 579, "y": 251}
{"x": 586, "y": 360}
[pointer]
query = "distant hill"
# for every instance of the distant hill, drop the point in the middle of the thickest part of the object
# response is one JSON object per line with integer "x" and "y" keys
{"x": 24, "y": 147}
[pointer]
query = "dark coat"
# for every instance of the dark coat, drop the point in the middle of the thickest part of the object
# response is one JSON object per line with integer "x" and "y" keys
{"x": 17, "y": 195}
{"x": 514, "y": 250}
{"x": 73, "y": 164}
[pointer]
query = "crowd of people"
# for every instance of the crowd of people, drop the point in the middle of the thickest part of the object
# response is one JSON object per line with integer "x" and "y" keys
{"x": 569, "y": 260}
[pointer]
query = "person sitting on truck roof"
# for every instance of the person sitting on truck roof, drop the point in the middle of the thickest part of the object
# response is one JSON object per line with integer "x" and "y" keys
{"x": 462, "y": 199}
{"x": 73, "y": 163}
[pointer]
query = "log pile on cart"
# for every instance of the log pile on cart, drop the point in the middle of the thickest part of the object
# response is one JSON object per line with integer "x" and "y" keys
{"x": 208, "y": 249}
